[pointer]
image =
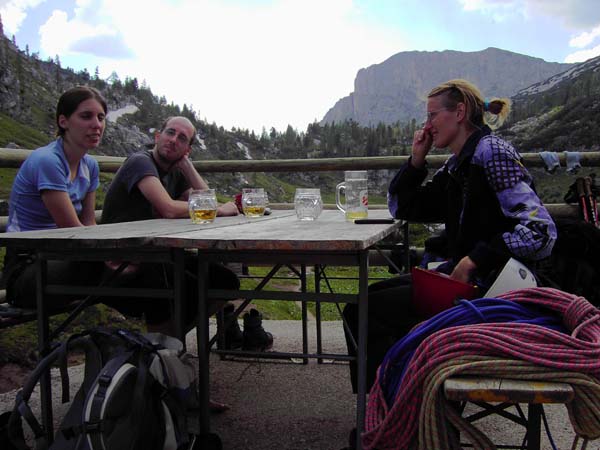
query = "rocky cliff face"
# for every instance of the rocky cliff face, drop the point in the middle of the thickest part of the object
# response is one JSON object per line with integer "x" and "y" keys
{"x": 396, "y": 89}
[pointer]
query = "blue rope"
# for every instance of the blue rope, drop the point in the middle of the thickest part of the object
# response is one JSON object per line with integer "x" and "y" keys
{"x": 484, "y": 310}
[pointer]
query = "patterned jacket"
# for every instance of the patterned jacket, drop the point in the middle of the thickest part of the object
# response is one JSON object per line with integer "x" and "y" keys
{"x": 487, "y": 201}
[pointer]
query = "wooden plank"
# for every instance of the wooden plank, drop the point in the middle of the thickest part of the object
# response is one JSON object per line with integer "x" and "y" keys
{"x": 556, "y": 210}
{"x": 281, "y": 231}
{"x": 118, "y": 235}
{"x": 330, "y": 232}
{"x": 506, "y": 390}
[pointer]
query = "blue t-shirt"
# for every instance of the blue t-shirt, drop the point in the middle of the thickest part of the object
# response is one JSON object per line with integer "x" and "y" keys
{"x": 48, "y": 168}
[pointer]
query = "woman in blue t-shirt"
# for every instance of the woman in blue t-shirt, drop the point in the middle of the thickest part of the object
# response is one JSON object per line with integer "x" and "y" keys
{"x": 55, "y": 188}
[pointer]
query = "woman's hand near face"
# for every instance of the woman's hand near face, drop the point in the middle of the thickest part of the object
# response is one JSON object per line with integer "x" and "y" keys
{"x": 422, "y": 142}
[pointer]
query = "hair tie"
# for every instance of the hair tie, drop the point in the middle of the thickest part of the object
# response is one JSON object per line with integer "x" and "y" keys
{"x": 486, "y": 105}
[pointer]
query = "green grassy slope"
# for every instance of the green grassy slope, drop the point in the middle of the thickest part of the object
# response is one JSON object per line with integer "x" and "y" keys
{"x": 22, "y": 135}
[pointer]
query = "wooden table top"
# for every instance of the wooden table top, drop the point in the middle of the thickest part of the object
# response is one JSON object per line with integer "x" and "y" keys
{"x": 278, "y": 231}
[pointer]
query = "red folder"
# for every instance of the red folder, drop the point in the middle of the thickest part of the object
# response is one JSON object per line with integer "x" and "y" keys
{"x": 434, "y": 292}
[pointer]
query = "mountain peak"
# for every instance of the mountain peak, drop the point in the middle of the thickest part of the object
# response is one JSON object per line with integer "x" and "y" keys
{"x": 395, "y": 89}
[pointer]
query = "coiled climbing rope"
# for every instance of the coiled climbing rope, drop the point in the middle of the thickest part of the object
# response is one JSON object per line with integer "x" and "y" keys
{"x": 531, "y": 347}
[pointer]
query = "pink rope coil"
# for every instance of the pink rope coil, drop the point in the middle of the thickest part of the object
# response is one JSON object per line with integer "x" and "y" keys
{"x": 396, "y": 427}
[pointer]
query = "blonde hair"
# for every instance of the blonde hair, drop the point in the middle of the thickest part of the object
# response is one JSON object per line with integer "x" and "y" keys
{"x": 479, "y": 111}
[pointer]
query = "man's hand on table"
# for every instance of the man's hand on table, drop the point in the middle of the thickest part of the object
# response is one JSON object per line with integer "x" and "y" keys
{"x": 227, "y": 209}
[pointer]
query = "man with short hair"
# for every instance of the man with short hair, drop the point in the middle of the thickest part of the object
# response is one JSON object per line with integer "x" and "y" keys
{"x": 152, "y": 184}
{"x": 156, "y": 183}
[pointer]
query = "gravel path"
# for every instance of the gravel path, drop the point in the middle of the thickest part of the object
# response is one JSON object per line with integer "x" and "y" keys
{"x": 286, "y": 405}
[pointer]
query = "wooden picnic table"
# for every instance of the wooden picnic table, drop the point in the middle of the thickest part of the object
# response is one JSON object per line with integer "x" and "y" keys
{"x": 276, "y": 239}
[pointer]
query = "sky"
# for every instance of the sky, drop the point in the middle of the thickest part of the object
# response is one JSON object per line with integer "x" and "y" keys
{"x": 272, "y": 63}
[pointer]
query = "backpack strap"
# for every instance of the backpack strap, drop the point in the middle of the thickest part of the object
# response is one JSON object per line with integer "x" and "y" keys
{"x": 61, "y": 356}
{"x": 15, "y": 427}
{"x": 95, "y": 424}
{"x": 22, "y": 409}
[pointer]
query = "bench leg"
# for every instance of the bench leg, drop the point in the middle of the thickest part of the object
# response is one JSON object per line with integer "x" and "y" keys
{"x": 534, "y": 427}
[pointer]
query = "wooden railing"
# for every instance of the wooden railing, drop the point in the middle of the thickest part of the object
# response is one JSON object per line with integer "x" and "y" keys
{"x": 13, "y": 158}
{"x": 110, "y": 164}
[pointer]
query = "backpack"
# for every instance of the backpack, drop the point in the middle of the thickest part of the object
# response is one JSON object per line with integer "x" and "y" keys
{"x": 138, "y": 392}
{"x": 574, "y": 265}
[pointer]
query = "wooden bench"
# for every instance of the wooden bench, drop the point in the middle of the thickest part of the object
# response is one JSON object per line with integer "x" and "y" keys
{"x": 13, "y": 315}
{"x": 495, "y": 395}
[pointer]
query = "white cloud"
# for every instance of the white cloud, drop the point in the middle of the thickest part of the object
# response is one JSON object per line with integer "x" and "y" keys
{"x": 58, "y": 26}
{"x": 584, "y": 39}
{"x": 499, "y": 10}
{"x": 14, "y": 12}
{"x": 576, "y": 14}
{"x": 237, "y": 65}
{"x": 583, "y": 55}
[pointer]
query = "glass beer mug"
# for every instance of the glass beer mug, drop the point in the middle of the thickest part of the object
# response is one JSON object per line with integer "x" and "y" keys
{"x": 254, "y": 202}
{"x": 356, "y": 193}
{"x": 308, "y": 203}
{"x": 202, "y": 205}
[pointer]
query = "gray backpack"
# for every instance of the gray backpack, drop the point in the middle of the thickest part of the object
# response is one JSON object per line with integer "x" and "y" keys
{"x": 138, "y": 392}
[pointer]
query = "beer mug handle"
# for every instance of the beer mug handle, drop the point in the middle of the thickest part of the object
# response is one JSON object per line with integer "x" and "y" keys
{"x": 340, "y": 187}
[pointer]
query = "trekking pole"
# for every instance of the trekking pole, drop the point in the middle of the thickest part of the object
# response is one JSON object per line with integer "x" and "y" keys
{"x": 593, "y": 205}
{"x": 581, "y": 196}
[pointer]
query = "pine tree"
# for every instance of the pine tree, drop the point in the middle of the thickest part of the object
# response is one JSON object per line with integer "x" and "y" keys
{"x": 114, "y": 79}
{"x": 1, "y": 27}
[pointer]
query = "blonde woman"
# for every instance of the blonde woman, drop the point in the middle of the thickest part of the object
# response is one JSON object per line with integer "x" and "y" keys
{"x": 483, "y": 195}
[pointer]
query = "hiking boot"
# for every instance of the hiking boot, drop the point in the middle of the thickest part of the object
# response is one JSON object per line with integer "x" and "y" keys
{"x": 255, "y": 336}
{"x": 233, "y": 334}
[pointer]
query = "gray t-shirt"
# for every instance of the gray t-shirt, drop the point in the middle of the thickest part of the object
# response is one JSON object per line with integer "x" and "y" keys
{"x": 124, "y": 202}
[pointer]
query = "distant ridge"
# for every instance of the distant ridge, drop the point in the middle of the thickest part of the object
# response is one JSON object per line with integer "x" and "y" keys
{"x": 559, "y": 113}
{"x": 394, "y": 90}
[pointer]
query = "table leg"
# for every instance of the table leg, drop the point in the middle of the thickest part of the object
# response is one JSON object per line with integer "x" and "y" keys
{"x": 363, "y": 310}
{"x": 317, "y": 272}
{"x": 179, "y": 294}
{"x": 304, "y": 314}
{"x": 43, "y": 334}
{"x": 406, "y": 248}
{"x": 203, "y": 351}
